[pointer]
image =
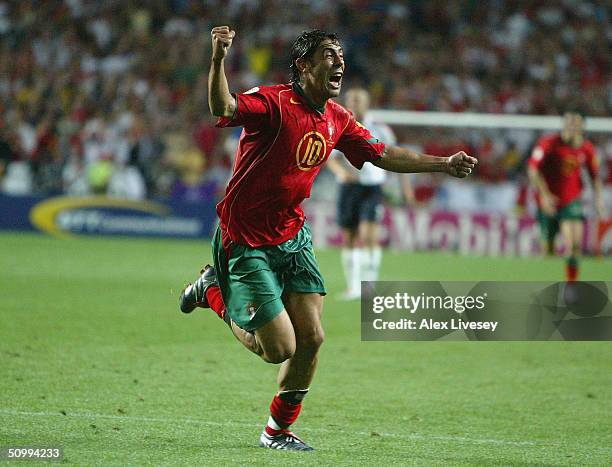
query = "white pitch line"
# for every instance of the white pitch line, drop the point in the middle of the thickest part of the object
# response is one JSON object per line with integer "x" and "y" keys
{"x": 451, "y": 438}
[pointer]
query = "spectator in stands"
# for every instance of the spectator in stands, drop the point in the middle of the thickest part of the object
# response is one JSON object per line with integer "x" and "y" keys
{"x": 97, "y": 69}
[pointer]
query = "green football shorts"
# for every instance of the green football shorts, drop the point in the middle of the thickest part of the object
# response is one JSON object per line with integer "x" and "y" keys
{"x": 253, "y": 281}
{"x": 549, "y": 225}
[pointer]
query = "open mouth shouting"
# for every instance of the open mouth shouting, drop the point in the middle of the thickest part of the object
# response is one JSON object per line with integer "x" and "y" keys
{"x": 335, "y": 80}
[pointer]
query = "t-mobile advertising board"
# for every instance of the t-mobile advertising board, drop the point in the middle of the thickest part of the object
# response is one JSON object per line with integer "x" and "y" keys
{"x": 490, "y": 234}
{"x": 410, "y": 230}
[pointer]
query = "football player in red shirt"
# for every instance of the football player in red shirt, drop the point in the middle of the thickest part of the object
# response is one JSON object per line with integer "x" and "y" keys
{"x": 555, "y": 171}
{"x": 265, "y": 282}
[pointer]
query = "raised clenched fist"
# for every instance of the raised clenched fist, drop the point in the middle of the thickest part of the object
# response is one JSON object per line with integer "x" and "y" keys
{"x": 222, "y": 37}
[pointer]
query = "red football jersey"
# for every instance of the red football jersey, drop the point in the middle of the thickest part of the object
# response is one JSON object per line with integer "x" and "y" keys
{"x": 560, "y": 164}
{"x": 283, "y": 144}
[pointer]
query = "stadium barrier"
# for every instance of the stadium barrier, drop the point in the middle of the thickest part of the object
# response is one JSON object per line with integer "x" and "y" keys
{"x": 66, "y": 216}
{"x": 468, "y": 233}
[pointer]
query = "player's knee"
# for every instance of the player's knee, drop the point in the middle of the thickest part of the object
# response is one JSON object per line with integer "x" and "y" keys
{"x": 279, "y": 352}
{"x": 276, "y": 357}
{"x": 311, "y": 341}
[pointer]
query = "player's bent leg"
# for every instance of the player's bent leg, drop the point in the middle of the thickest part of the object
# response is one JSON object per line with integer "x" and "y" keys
{"x": 276, "y": 341}
{"x": 253, "y": 297}
{"x": 205, "y": 293}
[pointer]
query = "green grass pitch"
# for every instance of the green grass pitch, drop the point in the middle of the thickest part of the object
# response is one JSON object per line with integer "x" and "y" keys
{"x": 96, "y": 358}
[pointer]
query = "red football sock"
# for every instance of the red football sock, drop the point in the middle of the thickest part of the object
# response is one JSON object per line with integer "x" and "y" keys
{"x": 284, "y": 411}
{"x": 215, "y": 300}
{"x": 571, "y": 269}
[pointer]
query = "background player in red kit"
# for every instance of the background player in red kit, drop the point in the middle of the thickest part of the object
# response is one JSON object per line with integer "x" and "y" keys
{"x": 555, "y": 171}
{"x": 266, "y": 282}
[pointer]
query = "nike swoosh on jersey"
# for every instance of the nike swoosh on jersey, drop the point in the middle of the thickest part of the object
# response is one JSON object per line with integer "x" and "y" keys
{"x": 293, "y": 102}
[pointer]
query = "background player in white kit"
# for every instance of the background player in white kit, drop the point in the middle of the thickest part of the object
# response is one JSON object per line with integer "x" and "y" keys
{"x": 360, "y": 202}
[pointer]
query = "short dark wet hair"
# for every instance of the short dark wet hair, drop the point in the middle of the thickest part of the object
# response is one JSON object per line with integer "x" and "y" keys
{"x": 305, "y": 46}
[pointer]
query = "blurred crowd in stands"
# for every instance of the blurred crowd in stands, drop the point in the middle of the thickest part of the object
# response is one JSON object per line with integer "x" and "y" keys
{"x": 109, "y": 97}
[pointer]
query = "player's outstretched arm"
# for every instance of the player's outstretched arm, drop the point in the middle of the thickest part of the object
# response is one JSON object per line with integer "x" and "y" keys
{"x": 220, "y": 101}
{"x": 397, "y": 159}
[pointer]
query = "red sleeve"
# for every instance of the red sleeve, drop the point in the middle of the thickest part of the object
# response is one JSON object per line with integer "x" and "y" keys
{"x": 592, "y": 161}
{"x": 358, "y": 145}
{"x": 540, "y": 152}
{"x": 251, "y": 111}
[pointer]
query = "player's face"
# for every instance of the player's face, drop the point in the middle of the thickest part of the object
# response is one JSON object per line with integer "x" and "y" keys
{"x": 327, "y": 69}
{"x": 358, "y": 102}
{"x": 572, "y": 127}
